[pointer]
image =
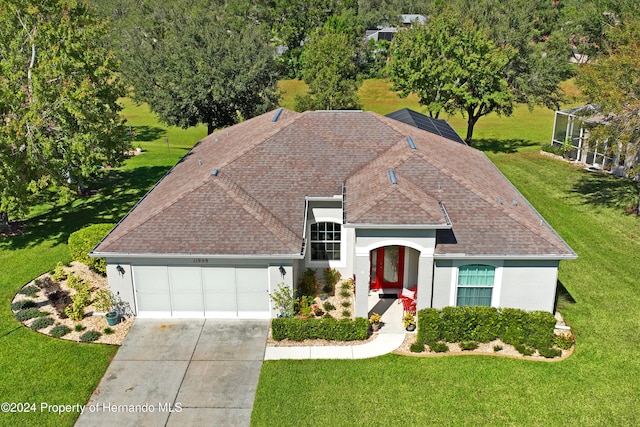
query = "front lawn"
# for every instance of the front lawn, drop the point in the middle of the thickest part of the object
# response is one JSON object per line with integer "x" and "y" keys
{"x": 596, "y": 386}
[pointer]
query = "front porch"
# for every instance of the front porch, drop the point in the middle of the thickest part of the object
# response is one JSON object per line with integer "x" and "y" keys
{"x": 389, "y": 307}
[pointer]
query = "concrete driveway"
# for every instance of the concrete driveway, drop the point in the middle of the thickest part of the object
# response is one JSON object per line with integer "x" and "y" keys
{"x": 183, "y": 372}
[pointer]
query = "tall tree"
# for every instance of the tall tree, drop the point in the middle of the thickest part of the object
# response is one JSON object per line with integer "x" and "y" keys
{"x": 293, "y": 21}
{"x": 195, "y": 61}
{"x": 58, "y": 91}
{"x": 330, "y": 70}
{"x": 613, "y": 82}
{"x": 452, "y": 66}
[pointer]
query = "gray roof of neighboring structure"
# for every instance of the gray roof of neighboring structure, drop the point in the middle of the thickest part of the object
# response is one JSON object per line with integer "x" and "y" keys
{"x": 254, "y": 205}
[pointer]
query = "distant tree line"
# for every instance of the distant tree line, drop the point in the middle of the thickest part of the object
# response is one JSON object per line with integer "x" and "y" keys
{"x": 65, "y": 63}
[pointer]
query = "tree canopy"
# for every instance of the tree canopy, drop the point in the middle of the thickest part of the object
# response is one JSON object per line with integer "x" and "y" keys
{"x": 195, "y": 61}
{"x": 58, "y": 91}
{"x": 613, "y": 83}
{"x": 330, "y": 69}
{"x": 452, "y": 66}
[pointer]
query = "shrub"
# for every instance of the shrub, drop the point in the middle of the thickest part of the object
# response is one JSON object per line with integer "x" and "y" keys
{"x": 524, "y": 349}
{"x": 439, "y": 347}
{"x": 81, "y": 299}
{"x": 497, "y": 348}
{"x": 58, "y": 273}
{"x": 345, "y": 293}
{"x": 59, "y": 300}
{"x": 90, "y": 336}
{"x": 553, "y": 149}
{"x": 283, "y": 299}
{"x": 331, "y": 277}
{"x": 429, "y": 325}
{"x": 327, "y": 316}
{"x": 108, "y": 331}
{"x": 79, "y": 327}
{"x": 328, "y": 306}
{"x": 564, "y": 341}
{"x": 25, "y": 303}
{"x": 104, "y": 300}
{"x": 417, "y": 347}
{"x": 346, "y": 286}
{"x": 549, "y": 352}
{"x": 316, "y": 328}
{"x": 84, "y": 240}
{"x": 346, "y": 313}
{"x": 48, "y": 285}
{"x": 59, "y": 331}
{"x": 308, "y": 284}
{"x": 469, "y": 345}
{"x": 28, "y": 313}
{"x": 346, "y": 303}
{"x": 41, "y": 322}
{"x": 74, "y": 282}
{"x": 29, "y": 290}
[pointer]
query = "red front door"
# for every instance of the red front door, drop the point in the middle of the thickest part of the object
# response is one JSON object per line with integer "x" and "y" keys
{"x": 387, "y": 267}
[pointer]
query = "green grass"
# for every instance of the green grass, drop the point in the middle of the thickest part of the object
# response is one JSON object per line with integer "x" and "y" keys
{"x": 596, "y": 386}
{"x": 36, "y": 368}
{"x": 524, "y": 128}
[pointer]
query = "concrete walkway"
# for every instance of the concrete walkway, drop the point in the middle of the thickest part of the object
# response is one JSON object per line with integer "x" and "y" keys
{"x": 389, "y": 338}
{"x": 182, "y": 372}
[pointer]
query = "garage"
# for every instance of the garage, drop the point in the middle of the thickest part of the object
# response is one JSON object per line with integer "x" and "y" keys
{"x": 195, "y": 292}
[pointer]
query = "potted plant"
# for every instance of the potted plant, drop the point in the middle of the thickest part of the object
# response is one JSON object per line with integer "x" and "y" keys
{"x": 409, "y": 321}
{"x": 317, "y": 311}
{"x": 105, "y": 301}
{"x": 374, "y": 320}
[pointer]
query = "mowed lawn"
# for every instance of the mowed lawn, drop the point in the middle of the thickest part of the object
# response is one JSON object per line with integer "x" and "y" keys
{"x": 39, "y": 369}
{"x": 597, "y": 385}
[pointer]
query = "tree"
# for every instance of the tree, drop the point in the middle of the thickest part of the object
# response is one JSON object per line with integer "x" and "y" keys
{"x": 58, "y": 101}
{"x": 452, "y": 66}
{"x": 613, "y": 82}
{"x": 293, "y": 21}
{"x": 330, "y": 70}
{"x": 195, "y": 61}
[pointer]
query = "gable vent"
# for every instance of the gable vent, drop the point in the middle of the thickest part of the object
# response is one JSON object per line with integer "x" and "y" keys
{"x": 392, "y": 176}
{"x": 412, "y": 144}
{"x": 277, "y": 115}
{"x": 215, "y": 172}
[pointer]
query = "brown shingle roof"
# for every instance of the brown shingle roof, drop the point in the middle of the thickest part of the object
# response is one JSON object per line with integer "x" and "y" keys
{"x": 255, "y": 204}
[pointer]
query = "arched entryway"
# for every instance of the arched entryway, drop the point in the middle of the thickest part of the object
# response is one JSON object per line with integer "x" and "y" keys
{"x": 387, "y": 267}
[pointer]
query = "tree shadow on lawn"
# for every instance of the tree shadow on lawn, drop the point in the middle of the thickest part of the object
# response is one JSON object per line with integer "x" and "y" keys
{"x": 606, "y": 190}
{"x": 147, "y": 133}
{"x": 117, "y": 192}
{"x": 502, "y": 145}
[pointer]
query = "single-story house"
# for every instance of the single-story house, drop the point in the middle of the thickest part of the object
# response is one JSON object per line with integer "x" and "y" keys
{"x": 379, "y": 199}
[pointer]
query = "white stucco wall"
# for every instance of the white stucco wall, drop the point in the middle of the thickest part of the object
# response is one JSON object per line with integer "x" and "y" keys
{"x": 525, "y": 284}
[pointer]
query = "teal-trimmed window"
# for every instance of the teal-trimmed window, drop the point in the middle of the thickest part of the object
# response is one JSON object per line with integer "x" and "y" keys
{"x": 475, "y": 284}
{"x": 325, "y": 241}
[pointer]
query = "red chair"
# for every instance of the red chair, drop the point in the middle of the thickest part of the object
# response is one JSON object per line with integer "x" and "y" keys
{"x": 407, "y": 297}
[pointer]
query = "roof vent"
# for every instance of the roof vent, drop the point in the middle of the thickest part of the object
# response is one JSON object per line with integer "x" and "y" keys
{"x": 215, "y": 172}
{"x": 514, "y": 202}
{"x": 412, "y": 144}
{"x": 277, "y": 115}
{"x": 392, "y": 176}
{"x": 500, "y": 201}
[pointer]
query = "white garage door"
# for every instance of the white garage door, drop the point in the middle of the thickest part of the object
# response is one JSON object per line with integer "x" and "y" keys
{"x": 216, "y": 292}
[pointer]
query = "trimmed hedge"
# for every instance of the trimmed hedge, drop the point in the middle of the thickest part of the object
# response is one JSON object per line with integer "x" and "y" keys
{"x": 484, "y": 324}
{"x": 330, "y": 329}
{"x": 84, "y": 240}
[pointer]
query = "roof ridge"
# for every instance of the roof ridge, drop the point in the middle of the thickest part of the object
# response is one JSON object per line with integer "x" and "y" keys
{"x": 411, "y": 191}
{"x": 366, "y": 207}
{"x": 267, "y": 135}
{"x": 258, "y": 211}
